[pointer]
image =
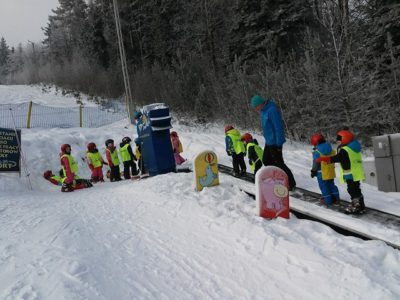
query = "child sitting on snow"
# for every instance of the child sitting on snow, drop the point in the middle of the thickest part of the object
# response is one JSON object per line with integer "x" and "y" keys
{"x": 177, "y": 148}
{"x": 59, "y": 180}
{"x": 325, "y": 172}
{"x": 95, "y": 162}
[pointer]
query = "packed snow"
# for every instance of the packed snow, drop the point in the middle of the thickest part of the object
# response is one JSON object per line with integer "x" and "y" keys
{"x": 159, "y": 239}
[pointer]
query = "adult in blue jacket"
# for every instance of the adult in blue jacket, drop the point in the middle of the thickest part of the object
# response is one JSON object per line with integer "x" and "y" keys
{"x": 274, "y": 134}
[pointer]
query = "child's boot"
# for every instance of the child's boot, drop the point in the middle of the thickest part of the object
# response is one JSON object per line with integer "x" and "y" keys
{"x": 356, "y": 207}
{"x": 67, "y": 188}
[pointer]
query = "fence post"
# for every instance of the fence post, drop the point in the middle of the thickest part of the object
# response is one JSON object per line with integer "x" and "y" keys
{"x": 81, "y": 115}
{"x": 28, "y": 119}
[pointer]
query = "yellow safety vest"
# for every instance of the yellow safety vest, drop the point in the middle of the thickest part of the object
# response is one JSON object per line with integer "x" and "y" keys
{"x": 356, "y": 167}
{"x": 114, "y": 157}
{"x": 125, "y": 156}
{"x": 94, "y": 159}
{"x": 72, "y": 164}
{"x": 137, "y": 153}
{"x": 259, "y": 152}
{"x": 238, "y": 145}
{"x": 327, "y": 170}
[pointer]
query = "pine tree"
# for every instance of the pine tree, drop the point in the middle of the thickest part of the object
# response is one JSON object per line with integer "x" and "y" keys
{"x": 4, "y": 60}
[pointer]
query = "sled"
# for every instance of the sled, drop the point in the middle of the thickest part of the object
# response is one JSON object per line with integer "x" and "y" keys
{"x": 205, "y": 168}
{"x": 272, "y": 193}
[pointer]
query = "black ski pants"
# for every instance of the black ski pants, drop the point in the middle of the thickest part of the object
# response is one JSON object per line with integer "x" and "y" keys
{"x": 239, "y": 166}
{"x": 129, "y": 169}
{"x": 273, "y": 157}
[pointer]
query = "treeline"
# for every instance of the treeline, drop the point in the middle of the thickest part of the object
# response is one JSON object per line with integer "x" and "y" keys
{"x": 328, "y": 63}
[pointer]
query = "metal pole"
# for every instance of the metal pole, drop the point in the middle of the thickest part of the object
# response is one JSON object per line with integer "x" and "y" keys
{"x": 123, "y": 58}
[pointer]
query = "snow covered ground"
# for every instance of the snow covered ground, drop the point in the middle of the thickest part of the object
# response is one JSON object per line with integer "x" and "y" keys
{"x": 45, "y": 95}
{"x": 159, "y": 239}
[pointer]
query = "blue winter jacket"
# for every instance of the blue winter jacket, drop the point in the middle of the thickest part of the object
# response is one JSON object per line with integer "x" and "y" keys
{"x": 325, "y": 149}
{"x": 272, "y": 125}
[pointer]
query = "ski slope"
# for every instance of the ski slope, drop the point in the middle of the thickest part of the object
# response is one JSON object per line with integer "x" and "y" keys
{"x": 159, "y": 239}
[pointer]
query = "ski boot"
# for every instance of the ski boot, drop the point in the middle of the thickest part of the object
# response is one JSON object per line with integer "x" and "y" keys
{"x": 356, "y": 207}
{"x": 67, "y": 188}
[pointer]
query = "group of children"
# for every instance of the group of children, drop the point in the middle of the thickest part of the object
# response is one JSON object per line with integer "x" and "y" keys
{"x": 238, "y": 147}
{"x": 68, "y": 176}
{"x": 348, "y": 155}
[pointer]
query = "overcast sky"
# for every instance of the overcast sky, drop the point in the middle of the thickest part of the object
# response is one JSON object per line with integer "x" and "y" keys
{"x": 21, "y": 20}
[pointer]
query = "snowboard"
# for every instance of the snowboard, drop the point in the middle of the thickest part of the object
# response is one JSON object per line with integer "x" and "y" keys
{"x": 205, "y": 168}
{"x": 272, "y": 193}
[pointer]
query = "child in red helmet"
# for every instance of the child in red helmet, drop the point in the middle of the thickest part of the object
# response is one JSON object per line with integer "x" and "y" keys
{"x": 113, "y": 160}
{"x": 59, "y": 180}
{"x": 177, "y": 148}
{"x": 70, "y": 168}
{"x": 236, "y": 149}
{"x": 254, "y": 152}
{"x": 325, "y": 172}
{"x": 351, "y": 169}
{"x": 95, "y": 163}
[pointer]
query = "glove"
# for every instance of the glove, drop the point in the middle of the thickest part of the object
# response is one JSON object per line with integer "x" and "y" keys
{"x": 313, "y": 173}
{"x": 229, "y": 153}
{"x": 326, "y": 159}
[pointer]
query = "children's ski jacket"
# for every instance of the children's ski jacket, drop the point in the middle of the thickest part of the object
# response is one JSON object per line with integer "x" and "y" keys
{"x": 254, "y": 153}
{"x": 233, "y": 142}
{"x": 112, "y": 157}
{"x": 94, "y": 159}
{"x": 327, "y": 170}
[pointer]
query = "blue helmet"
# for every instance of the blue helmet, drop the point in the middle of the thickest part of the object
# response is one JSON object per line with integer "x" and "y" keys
{"x": 137, "y": 114}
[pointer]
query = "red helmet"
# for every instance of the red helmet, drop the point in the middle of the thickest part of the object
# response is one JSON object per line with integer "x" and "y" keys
{"x": 64, "y": 147}
{"x": 345, "y": 137}
{"x": 173, "y": 134}
{"x": 247, "y": 137}
{"x": 47, "y": 174}
{"x": 227, "y": 128}
{"x": 316, "y": 138}
{"x": 91, "y": 146}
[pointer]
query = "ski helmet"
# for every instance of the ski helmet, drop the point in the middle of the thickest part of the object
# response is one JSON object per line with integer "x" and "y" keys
{"x": 64, "y": 147}
{"x": 174, "y": 134}
{"x": 47, "y": 174}
{"x": 227, "y": 128}
{"x": 316, "y": 138}
{"x": 247, "y": 137}
{"x": 91, "y": 146}
{"x": 126, "y": 140}
{"x": 109, "y": 141}
{"x": 137, "y": 141}
{"x": 137, "y": 115}
{"x": 344, "y": 136}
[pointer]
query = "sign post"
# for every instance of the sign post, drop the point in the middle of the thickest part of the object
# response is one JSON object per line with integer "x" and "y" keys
{"x": 10, "y": 156}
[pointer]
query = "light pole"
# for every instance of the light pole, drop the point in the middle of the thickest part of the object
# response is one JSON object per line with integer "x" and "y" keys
{"x": 128, "y": 93}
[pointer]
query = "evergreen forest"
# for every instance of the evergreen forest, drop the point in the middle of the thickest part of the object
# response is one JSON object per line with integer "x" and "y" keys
{"x": 327, "y": 63}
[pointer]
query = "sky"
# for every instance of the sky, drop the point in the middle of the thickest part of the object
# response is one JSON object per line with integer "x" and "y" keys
{"x": 21, "y": 20}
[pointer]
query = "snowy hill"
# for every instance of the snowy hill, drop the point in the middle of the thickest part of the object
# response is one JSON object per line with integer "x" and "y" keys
{"x": 159, "y": 239}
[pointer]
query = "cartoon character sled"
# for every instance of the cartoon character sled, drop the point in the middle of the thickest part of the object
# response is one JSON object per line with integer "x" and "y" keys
{"x": 272, "y": 194}
{"x": 205, "y": 168}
